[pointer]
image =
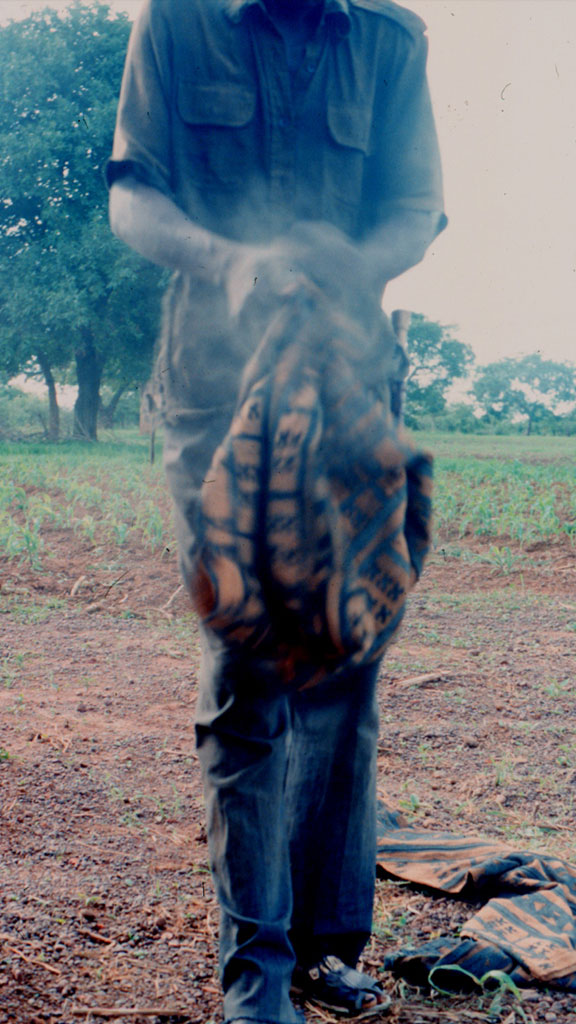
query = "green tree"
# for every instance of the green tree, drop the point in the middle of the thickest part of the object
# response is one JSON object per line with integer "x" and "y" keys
{"x": 70, "y": 294}
{"x": 459, "y": 418}
{"x": 436, "y": 360}
{"x": 529, "y": 389}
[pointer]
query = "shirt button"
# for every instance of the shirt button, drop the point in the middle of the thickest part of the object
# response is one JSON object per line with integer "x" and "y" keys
{"x": 310, "y": 68}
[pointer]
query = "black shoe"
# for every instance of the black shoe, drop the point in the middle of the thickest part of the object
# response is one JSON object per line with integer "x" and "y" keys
{"x": 334, "y": 986}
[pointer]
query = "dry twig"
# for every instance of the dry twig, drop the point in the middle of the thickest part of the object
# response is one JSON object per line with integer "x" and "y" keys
{"x": 96, "y": 936}
{"x": 428, "y": 677}
{"x": 77, "y": 585}
{"x": 33, "y": 960}
{"x": 116, "y": 582}
{"x": 127, "y": 1011}
{"x": 461, "y": 1015}
{"x": 170, "y": 600}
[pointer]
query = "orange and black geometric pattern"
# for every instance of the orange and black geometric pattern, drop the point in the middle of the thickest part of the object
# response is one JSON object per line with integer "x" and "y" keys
{"x": 526, "y": 926}
{"x": 315, "y": 514}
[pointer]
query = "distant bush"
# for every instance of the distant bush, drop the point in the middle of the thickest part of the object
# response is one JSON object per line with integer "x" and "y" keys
{"x": 565, "y": 426}
{"x": 460, "y": 419}
{"x": 26, "y": 416}
{"x": 126, "y": 412}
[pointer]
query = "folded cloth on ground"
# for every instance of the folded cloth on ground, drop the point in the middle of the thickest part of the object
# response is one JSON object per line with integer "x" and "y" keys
{"x": 527, "y": 927}
{"x": 455, "y": 965}
{"x": 315, "y": 516}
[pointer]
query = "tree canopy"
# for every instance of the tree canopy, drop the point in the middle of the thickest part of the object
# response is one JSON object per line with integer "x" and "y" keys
{"x": 437, "y": 360}
{"x": 530, "y": 389}
{"x": 69, "y": 292}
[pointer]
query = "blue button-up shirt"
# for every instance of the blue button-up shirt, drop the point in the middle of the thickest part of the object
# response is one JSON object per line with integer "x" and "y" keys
{"x": 213, "y": 113}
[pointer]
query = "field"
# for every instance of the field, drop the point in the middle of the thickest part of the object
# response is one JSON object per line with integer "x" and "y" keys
{"x": 107, "y": 909}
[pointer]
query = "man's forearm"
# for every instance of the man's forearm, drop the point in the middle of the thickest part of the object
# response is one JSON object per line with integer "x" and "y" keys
{"x": 154, "y": 226}
{"x": 399, "y": 243}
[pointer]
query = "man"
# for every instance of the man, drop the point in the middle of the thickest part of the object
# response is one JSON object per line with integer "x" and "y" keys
{"x": 256, "y": 138}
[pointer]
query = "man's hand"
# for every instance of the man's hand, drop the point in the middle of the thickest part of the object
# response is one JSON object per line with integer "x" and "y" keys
{"x": 336, "y": 265}
{"x": 152, "y": 224}
{"x": 257, "y": 275}
{"x": 312, "y": 250}
{"x": 359, "y": 272}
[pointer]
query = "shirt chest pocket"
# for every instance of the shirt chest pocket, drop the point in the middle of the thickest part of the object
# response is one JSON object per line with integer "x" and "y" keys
{"x": 218, "y": 132}
{"x": 349, "y": 130}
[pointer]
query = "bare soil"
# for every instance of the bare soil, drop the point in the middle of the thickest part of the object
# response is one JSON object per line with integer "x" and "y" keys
{"x": 107, "y": 908}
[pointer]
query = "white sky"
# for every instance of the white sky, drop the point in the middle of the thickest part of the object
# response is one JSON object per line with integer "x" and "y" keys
{"x": 503, "y": 81}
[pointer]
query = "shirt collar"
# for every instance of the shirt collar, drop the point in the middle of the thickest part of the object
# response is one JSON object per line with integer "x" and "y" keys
{"x": 337, "y": 11}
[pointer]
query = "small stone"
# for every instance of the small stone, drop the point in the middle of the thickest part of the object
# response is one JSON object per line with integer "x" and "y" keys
{"x": 470, "y": 741}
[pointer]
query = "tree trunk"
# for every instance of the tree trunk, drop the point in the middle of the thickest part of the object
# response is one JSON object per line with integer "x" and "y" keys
{"x": 108, "y": 412}
{"x": 89, "y": 366}
{"x": 53, "y": 431}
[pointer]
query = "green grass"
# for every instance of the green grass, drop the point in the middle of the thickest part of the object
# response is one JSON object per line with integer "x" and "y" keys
{"x": 105, "y": 493}
{"x": 511, "y": 492}
{"x": 520, "y": 501}
{"x": 495, "y": 446}
{"x": 520, "y": 490}
{"x": 26, "y": 609}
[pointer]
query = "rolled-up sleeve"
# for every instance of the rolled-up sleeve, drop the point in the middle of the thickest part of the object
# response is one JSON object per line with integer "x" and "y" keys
{"x": 142, "y": 139}
{"x": 404, "y": 169}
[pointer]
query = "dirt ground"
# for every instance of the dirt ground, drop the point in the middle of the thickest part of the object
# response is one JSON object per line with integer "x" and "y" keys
{"x": 107, "y": 908}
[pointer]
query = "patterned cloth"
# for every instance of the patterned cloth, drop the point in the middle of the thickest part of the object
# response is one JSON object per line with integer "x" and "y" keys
{"x": 527, "y": 927}
{"x": 315, "y": 514}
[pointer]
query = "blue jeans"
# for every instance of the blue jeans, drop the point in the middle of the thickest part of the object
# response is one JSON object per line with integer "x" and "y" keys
{"x": 290, "y": 790}
{"x": 290, "y": 784}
